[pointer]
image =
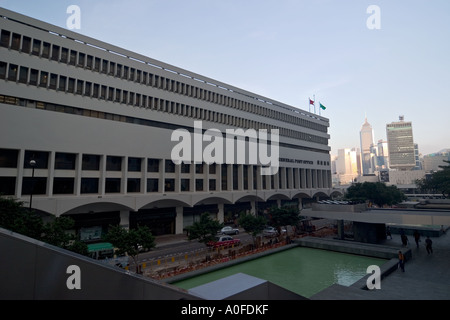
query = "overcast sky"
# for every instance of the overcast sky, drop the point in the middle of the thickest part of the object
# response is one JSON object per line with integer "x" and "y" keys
{"x": 291, "y": 50}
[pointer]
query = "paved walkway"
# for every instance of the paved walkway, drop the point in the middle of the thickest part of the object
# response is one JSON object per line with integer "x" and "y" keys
{"x": 426, "y": 276}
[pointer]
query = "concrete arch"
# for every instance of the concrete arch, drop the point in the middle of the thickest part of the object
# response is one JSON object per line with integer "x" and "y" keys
{"x": 165, "y": 203}
{"x": 320, "y": 194}
{"x": 249, "y": 198}
{"x": 212, "y": 199}
{"x": 301, "y": 194}
{"x": 278, "y": 195}
{"x": 98, "y": 206}
{"x": 336, "y": 193}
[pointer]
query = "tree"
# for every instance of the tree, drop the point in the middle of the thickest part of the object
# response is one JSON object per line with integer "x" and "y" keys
{"x": 439, "y": 181}
{"x": 204, "y": 230}
{"x": 252, "y": 224}
{"x": 15, "y": 217}
{"x": 375, "y": 192}
{"x": 284, "y": 216}
{"x": 129, "y": 241}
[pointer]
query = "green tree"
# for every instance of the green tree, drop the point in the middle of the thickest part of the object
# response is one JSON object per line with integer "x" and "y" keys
{"x": 439, "y": 181}
{"x": 129, "y": 241}
{"x": 252, "y": 224}
{"x": 375, "y": 192}
{"x": 284, "y": 216}
{"x": 205, "y": 229}
{"x": 15, "y": 217}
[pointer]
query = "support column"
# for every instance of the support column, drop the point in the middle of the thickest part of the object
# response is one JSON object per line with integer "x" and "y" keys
{"x": 220, "y": 213}
{"x": 340, "y": 229}
{"x": 179, "y": 220}
{"x": 125, "y": 219}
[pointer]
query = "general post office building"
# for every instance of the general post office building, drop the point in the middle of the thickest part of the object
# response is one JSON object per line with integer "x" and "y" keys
{"x": 97, "y": 120}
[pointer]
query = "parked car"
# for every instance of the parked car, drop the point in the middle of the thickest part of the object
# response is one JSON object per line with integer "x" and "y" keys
{"x": 224, "y": 241}
{"x": 229, "y": 230}
{"x": 270, "y": 232}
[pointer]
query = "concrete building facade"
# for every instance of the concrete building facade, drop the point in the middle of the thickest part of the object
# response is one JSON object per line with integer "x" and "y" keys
{"x": 99, "y": 121}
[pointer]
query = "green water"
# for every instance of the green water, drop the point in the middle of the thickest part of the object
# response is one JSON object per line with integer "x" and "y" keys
{"x": 305, "y": 271}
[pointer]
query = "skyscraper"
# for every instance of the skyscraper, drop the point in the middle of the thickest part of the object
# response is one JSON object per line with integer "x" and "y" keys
{"x": 366, "y": 137}
{"x": 401, "y": 145}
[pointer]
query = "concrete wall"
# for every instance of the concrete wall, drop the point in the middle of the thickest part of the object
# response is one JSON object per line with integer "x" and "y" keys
{"x": 33, "y": 270}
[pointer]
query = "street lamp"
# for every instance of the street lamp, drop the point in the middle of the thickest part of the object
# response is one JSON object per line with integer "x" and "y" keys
{"x": 33, "y": 165}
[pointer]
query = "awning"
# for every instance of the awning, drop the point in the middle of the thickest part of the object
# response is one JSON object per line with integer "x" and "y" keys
{"x": 100, "y": 246}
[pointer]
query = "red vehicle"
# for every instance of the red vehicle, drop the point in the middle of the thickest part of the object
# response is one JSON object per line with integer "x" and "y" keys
{"x": 224, "y": 241}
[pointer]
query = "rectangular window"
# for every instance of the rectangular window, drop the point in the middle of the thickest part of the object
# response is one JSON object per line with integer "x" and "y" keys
{"x": 170, "y": 166}
{"x": 7, "y": 186}
{"x": 185, "y": 184}
{"x": 87, "y": 89}
{"x": 105, "y": 66}
{"x": 55, "y": 53}
{"x": 62, "y": 83}
{"x": 63, "y": 185}
{"x": 80, "y": 86}
{"x": 133, "y": 185}
{"x": 89, "y": 185}
{"x": 5, "y": 38}
{"x": 71, "y": 86}
{"x": 3, "y": 70}
{"x": 40, "y": 157}
{"x": 15, "y": 45}
{"x": 65, "y": 161}
{"x": 43, "y": 80}
{"x": 224, "y": 177}
{"x": 12, "y": 72}
{"x": 91, "y": 162}
{"x": 23, "y": 75}
{"x": 26, "y": 44}
{"x": 8, "y": 158}
{"x": 235, "y": 177}
{"x": 96, "y": 90}
{"x": 64, "y": 55}
{"x": 89, "y": 62}
{"x": 212, "y": 184}
{"x": 97, "y": 64}
{"x": 152, "y": 185}
{"x": 153, "y": 165}
{"x": 198, "y": 184}
{"x": 81, "y": 59}
{"x": 46, "y": 50}
{"x": 36, "y": 47}
{"x": 112, "y": 185}
{"x": 169, "y": 185}
{"x": 134, "y": 164}
{"x": 36, "y": 185}
{"x": 185, "y": 168}
{"x": 113, "y": 163}
{"x": 73, "y": 57}
{"x": 53, "y": 80}
{"x": 34, "y": 74}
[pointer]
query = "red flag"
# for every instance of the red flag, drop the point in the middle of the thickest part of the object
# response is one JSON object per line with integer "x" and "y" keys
{"x": 311, "y": 102}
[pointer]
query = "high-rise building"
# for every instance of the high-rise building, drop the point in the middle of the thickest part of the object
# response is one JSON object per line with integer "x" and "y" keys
{"x": 382, "y": 155}
{"x": 366, "y": 137}
{"x": 401, "y": 145}
{"x": 347, "y": 165}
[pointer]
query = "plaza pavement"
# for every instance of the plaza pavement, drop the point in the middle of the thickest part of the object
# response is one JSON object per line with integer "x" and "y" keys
{"x": 426, "y": 276}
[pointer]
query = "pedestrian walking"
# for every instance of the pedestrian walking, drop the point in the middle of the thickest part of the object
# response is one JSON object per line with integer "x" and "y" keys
{"x": 429, "y": 245}
{"x": 404, "y": 240}
{"x": 401, "y": 261}
{"x": 417, "y": 238}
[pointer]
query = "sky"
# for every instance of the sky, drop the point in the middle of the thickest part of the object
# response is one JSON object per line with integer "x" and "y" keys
{"x": 374, "y": 59}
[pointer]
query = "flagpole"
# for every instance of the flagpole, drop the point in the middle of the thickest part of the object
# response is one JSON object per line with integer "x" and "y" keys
{"x": 320, "y": 113}
{"x": 314, "y": 104}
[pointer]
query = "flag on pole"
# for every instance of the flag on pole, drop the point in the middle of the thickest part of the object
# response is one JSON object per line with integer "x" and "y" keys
{"x": 311, "y": 102}
{"x": 322, "y": 106}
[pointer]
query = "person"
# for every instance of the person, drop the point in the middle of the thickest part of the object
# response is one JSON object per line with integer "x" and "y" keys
{"x": 417, "y": 238}
{"x": 404, "y": 239}
{"x": 429, "y": 245}
{"x": 401, "y": 261}
{"x": 388, "y": 232}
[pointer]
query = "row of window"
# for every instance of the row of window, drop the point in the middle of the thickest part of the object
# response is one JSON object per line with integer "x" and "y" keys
{"x": 167, "y": 106}
{"x": 60, "y": 54}
{"x": 67, "y": 161}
